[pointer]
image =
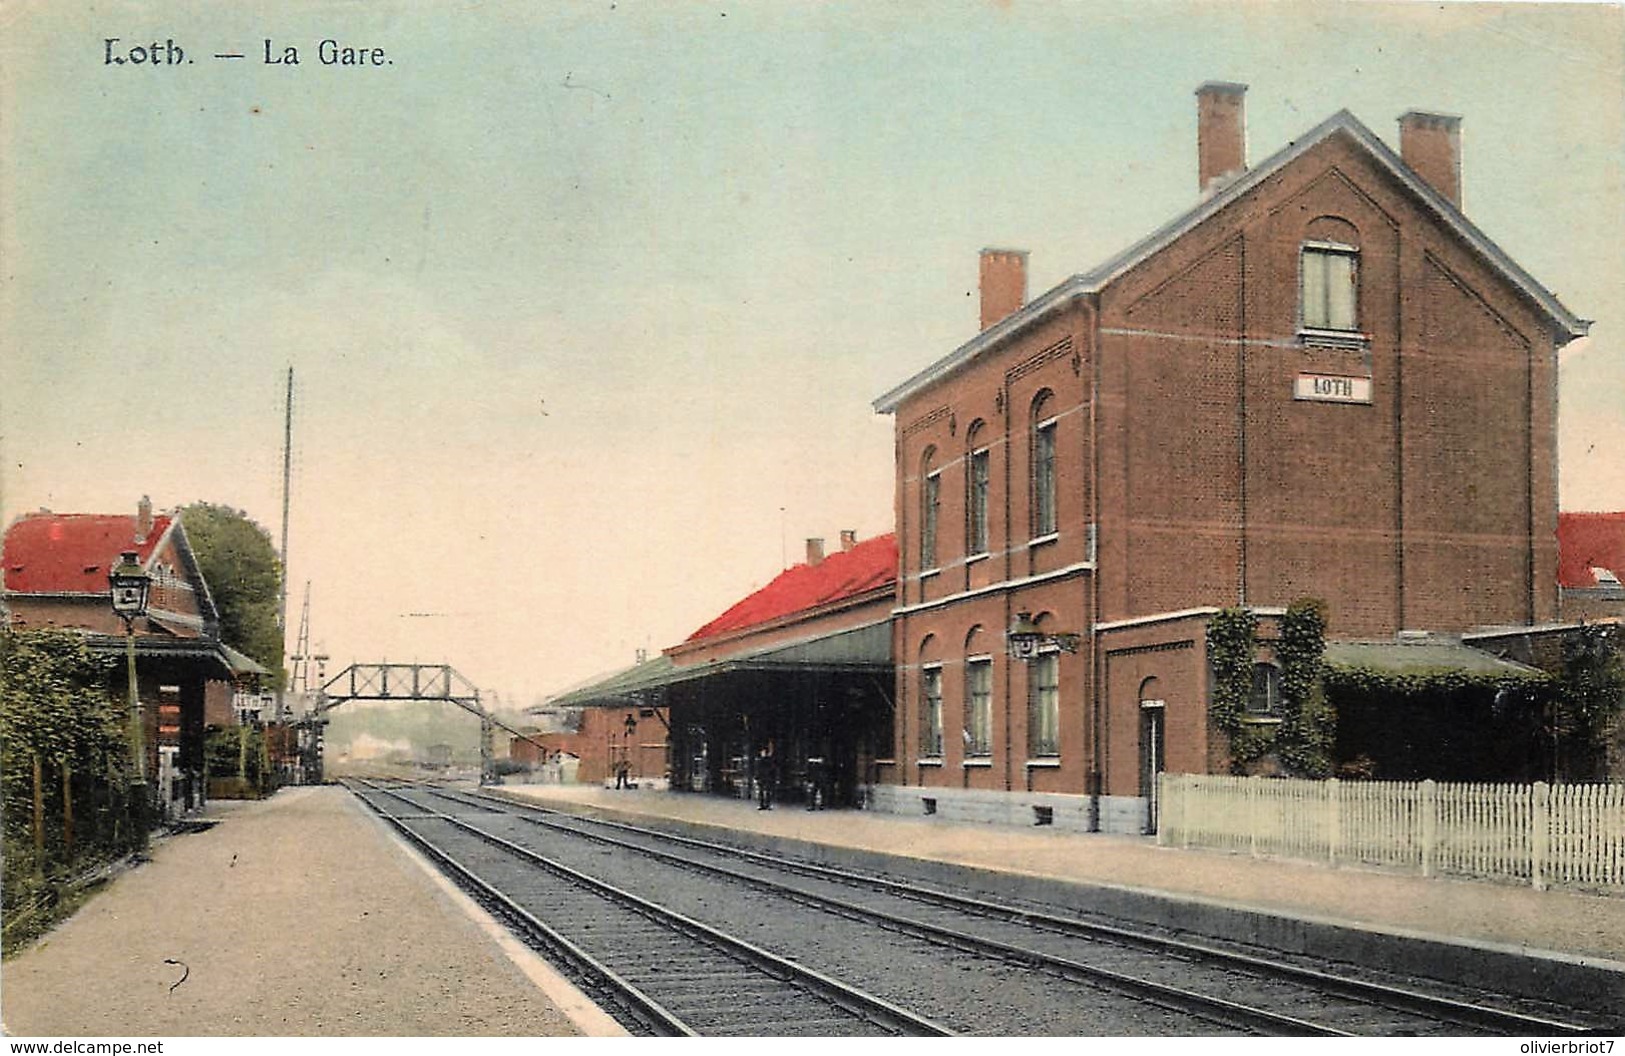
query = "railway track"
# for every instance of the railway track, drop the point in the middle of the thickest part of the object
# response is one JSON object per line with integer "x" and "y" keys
{"x": 1198, "y": 989}
{"x": 663, "y": 972}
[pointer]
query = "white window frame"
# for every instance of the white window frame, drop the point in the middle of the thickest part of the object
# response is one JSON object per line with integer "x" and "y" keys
{"x": 930, "y": 521}
{"x": 977, "y": 506}
{"x": 1045, "y": 492}
{"x": 1272, "y": 692}
{"x": 1316, "y": 311}
{"x": 978, "y": 707}
{"x": 931, "y": 711}
{"x": 1038, "y": 708}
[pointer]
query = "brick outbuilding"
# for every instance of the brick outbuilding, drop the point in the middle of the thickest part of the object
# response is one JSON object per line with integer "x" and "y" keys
{"x": 1322, "y": 380}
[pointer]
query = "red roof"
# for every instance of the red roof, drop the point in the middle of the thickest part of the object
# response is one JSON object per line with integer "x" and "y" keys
{"x": 50, "y": 553}
{"x": 845, "y": 574}
{"x": 1586, "y": 541}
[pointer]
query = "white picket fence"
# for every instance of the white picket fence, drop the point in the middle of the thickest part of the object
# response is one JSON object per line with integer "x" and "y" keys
{"x": 1540, "y": 834}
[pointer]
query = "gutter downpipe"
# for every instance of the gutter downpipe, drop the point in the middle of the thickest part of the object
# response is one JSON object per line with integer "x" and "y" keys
{"x": 1091, "y": 304}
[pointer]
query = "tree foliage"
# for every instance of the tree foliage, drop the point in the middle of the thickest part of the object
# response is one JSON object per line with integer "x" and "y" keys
{"x": 244, "y": 574}
{"x": 1591, "y": 694}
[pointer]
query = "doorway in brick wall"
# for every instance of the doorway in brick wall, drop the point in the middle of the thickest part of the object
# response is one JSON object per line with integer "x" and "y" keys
{"x": 1152, "y": 754}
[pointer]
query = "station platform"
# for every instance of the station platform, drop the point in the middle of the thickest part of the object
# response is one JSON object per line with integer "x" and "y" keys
{"x": 1271, "y": 900}
{"x": 297, "y": 915}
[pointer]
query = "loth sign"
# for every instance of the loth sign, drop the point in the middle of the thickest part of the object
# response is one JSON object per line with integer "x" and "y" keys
{"x": 1332, "y": 388}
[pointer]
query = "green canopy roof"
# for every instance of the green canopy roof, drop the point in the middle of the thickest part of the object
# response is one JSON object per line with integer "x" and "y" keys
{"x": 242, "y": 663}
{"x": 1425, "y": 658}
{"x": 860, "y": 649}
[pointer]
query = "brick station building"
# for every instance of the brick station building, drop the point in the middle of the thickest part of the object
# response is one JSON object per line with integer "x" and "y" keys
{"x": 802, "y": 664}
{"x": 55, "y": 576}
{"x": 1591, "y": 565}
{"x": 1322, "y": 380}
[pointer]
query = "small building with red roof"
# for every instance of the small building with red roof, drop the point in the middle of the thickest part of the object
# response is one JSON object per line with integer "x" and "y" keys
{"x": 1591, "y": 565}
{"x": 55, "y": 569}
{"x": 801, "y": 668}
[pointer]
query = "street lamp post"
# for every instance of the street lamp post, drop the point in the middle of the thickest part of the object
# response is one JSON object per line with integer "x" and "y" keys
{"x": 630, "y": 727}
{"x": 131, "y": 587}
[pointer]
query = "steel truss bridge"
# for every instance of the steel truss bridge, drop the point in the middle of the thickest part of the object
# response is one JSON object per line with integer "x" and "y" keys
{"x": 431, "y": 683}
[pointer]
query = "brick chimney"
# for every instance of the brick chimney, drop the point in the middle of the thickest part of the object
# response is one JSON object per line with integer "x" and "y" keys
{"x": 143, "y": 519}
{"x": 1221, "y": 134}
{"x": 1431, "y": 145}
{"x": 849, "y": 539}
{"x": 815, "y": 551}
{"x": 1003, "y": 279}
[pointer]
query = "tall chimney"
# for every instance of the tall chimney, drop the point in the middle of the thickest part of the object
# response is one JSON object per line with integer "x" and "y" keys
{"x": 1003, "y": 277}
{"x": 849, "y": 539}
{"x": 143, "y": 519}
{"x": 1431, "y": 145}
{"x": 1221, "y": 134}
{"x": 815, "y": 551}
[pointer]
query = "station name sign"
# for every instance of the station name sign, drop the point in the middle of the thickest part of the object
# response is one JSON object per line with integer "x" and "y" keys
{"x": 1332, "y": 388}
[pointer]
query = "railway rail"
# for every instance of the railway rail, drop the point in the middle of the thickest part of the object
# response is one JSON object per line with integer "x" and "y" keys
{"x": 664, "y": 973}
{"x": 1193, "y": 988}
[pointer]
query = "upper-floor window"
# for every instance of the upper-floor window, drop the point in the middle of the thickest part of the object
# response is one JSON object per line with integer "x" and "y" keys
{"x": 931, "y": 712}
{"x": 1329, "y": 286}
{"x": 930, "y": 506}
{"x": 979, "y": 706}
{"x": 1044, "y": 479}
{"x": 976, "y": 538}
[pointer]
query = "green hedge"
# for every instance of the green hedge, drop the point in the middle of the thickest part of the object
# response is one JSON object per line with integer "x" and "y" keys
{"x": 63, "y": 736}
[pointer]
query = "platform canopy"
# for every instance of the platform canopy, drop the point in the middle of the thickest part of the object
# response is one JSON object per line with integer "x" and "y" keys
{"x": 858, "y": 650}
{"x": 210, "y": 656}
{"x": 1425, "y": 658}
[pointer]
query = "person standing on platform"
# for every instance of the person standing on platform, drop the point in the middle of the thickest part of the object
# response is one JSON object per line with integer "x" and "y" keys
{"x": 766, "y": 776}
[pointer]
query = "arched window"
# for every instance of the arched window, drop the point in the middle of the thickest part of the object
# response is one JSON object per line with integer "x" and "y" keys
{"x": 1266, "y": 696}
{"x": 1329, "y": 276}
{"x": 977, "y": 477}
{"x": 930, "y": 508}
{"x": 978, "y": 732}
{"x": 1043, "y": 466}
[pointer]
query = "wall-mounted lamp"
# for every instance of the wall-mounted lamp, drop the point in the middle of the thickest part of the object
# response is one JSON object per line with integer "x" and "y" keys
{"x": 1025, "y": 640}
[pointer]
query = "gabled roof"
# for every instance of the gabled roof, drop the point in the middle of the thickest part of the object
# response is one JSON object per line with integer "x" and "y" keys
{"x": 869, "y": 565}
{"x": 71, "y": 553}
{"x": 1587, "y": 542}
{"x": 1094, "y": 281}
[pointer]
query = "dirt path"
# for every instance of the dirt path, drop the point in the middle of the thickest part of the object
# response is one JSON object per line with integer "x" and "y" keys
{"x": 293, "y": 916}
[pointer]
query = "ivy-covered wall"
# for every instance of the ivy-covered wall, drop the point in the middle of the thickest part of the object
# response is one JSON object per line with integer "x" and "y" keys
{"x": 1433, "y": 709}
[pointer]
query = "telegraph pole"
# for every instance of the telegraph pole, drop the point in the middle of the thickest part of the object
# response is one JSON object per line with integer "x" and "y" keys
{"x": 282, "y": 598}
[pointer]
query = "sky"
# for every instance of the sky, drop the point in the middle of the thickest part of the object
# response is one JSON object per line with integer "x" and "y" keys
{"x": 587, "y": 303}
